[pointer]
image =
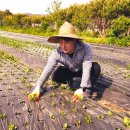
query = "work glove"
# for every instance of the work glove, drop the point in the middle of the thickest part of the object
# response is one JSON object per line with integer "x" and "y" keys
{"x": 35, "y": 95}
{"x": 80, "y": 93}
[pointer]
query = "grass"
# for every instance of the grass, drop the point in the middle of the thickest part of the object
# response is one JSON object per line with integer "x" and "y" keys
{"x": 86, "y": 36}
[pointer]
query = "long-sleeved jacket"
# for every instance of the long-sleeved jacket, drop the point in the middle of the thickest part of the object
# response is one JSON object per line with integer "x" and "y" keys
{"x": 82, "y": 59}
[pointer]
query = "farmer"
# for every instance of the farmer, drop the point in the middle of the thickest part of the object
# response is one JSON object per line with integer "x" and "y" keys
{"x": 70, "y": 63}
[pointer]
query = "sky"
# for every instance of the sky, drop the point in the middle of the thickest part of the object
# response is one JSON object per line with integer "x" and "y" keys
{"x": 34, "y": 6}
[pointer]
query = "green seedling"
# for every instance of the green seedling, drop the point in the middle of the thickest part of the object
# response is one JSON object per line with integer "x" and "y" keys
{"x": 52, "y": 116}
{"x": 4, "y": 74}
{"x": 12, "y": 74}
{"x": 118, "y": 129}
{"x": 23, "y": 79}
{"x": 41, "y": 108}
{"x": 3, "y": 116}
{"x": 53, "y": 104}
{"x": 26, "y": 124}
{"x": 12, "y": 127}
{"x": 9, "y": 88}
{"x": 62, "y": 103}
{"x": 64, "y": 86}
{"x": 10, "y": 103}
{"x": 109, "y": 113}
{"x": 32, "y": 97}
{"x": 88, "y": 119}
{"x": 17, "y": 113}
{"x": 50, "y": 82}
{"x": 84, "y": 107}
{"x": 63, "y": 113}
{"x": 23, "y": 101}
{"x": 100, "y": 116}
{"x": 52, "y": 95}
{"x": 65, "y": 126}
{"x": 13, "y": 81}
{"x": 128, "y": 67}
{"x": 28, "y": 85}
{"x": 25, "y": 93}
{"x": 78, "y": 123}
{"x": 74, "y": 110}
{"x": 127, "y": 121}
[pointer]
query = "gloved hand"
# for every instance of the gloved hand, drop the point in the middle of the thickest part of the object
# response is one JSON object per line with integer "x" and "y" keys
{"x": 35, "y": 95}
{"x": 80, "y": 93}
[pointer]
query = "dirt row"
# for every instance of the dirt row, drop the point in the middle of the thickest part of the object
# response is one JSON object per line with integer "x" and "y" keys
{"x": 114, "y": 82}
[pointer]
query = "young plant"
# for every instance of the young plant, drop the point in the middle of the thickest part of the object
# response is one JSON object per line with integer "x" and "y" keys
{"x": 63, "y": 113}
{"x": 74, "y": 110}
{"x": 109, "y": 113}
{"x": 84, "y": 107}
{"x": 28, "y": 85}
{"x": 127, "y": 121}
{"x": 53, "y": 104}
{"x": 26, "y": 124}
{"x": 100, "y": 116}
{"x": 88, "y": 119}
{"x": 65, "y": 126}
{"x": 23, "y": 79}
{"x": 52, "y": 116}
{"x": 17, "y": 113}
{"x": 78, "y": 123}
{"x": 3, "y": 116}
{"x": 12, "y": 127}
{"x": 33, "y": 97}
{"x": 52, "y": 95}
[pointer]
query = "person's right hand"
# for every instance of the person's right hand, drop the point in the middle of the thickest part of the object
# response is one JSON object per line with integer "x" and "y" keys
{"x": 35, "y": 95}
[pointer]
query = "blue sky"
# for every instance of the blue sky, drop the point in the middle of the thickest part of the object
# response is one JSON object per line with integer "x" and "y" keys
{"x": 34, "y": 6}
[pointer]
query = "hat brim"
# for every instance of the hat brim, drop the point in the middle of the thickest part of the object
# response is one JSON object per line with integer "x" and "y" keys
{"x": 55, "y": 39}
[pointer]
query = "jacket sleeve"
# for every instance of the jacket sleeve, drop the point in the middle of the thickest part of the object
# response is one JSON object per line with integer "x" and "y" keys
{"x": 51, "y": 64}
{"x": 86, "y": 65}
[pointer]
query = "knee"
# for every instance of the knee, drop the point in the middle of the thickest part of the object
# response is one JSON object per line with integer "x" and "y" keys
{"x": 96, "y": 69}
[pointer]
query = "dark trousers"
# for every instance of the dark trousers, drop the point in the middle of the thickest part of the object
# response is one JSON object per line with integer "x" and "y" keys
{"x": 63, "y": 75}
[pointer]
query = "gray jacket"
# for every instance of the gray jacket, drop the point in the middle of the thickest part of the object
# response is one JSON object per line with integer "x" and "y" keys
{"x": 82, "y": 59}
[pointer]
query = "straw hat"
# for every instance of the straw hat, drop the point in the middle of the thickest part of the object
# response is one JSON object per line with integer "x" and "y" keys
{"x": 66, "y": 30}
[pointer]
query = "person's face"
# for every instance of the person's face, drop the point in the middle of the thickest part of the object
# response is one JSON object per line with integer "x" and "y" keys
{"x": 67, "y": 45}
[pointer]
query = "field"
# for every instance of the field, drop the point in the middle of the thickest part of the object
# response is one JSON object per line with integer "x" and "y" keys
{"x": 21, "y": 63}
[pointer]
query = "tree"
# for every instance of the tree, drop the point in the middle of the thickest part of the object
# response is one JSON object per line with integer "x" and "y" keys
{"x": 1, "y": 17}
{"x": 102, "y": 12}
{"x": 7, "y": 12}
{"x": 120, "y": 26}
{"x": 80, "y": 19}
{"x": 8, "y": 20}
{"x": 54, "y": 12}
{"x": 26, "y": 21}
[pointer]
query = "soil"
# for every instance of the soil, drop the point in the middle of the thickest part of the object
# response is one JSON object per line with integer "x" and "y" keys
{"x": 111, "y": 93}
